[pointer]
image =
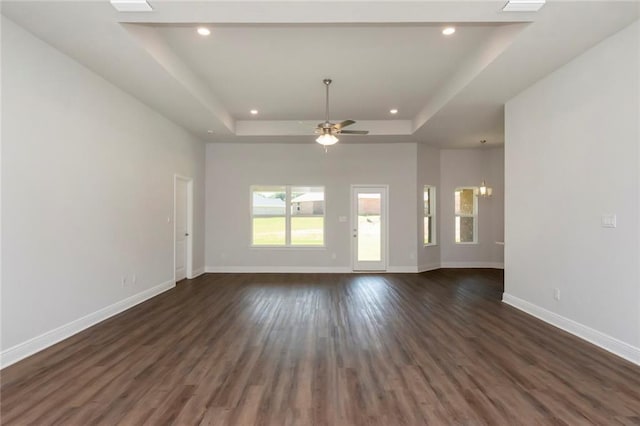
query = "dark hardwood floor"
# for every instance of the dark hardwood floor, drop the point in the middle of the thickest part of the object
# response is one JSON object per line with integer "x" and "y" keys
{"x": 343, "y": 349}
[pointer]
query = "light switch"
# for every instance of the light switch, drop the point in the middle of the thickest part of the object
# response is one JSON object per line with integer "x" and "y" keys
{"x": 608, "y": 221}
{"x": 342, "y": 218}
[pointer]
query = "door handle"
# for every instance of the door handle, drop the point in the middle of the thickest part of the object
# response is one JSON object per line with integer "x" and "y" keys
{"x": 186, "y": 234}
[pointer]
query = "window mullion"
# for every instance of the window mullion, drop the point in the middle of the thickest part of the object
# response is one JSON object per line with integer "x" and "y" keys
{"x": 288, "y": 216}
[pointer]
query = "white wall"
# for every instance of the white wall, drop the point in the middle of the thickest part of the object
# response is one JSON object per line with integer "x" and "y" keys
{"x": 87, "y": 187}
{"x": 233, "y": 168}
{"x": 572, "y": 155}
{"x": 468, "y": 167}
{"x": 428, "y": 174}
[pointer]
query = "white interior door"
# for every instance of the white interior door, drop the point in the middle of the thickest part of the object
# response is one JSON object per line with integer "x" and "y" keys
{"x": 369, "y": 228}
{"x": 181, "y": 227}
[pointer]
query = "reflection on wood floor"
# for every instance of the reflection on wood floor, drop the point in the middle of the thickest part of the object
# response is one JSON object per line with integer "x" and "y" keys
{"x": 324, "y": 349}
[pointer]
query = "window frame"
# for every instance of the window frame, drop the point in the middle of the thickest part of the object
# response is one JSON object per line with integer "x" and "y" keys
{"x": 287, "y": 214}
{"x": 433, "y": 215}
{"x": 474, "y": 190}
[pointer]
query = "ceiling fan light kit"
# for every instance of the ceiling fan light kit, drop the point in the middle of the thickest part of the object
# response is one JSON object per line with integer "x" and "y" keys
{"x": 328, "y": 130}
{"x": 327, "y": 139}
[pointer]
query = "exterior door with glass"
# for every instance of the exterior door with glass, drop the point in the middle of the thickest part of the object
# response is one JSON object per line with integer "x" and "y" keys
{"x": 369, "y": 228}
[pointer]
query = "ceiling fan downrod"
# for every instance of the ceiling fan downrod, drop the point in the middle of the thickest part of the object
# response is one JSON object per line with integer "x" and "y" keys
{"x": 327, "y": 82}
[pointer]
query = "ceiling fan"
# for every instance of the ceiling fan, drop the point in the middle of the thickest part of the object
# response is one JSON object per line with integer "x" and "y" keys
{"x": 328, "y": 130}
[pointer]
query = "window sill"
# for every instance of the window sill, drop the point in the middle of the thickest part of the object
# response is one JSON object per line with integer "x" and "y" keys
{"x": 289, "y": 247}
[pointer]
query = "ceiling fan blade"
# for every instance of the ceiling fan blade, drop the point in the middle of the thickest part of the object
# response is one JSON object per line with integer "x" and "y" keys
{"x": 345, "y": 123}
{"x": 354, "y": 132}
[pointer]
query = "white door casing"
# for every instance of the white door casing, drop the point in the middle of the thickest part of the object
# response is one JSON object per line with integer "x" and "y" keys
{"x": 182, "y": 227}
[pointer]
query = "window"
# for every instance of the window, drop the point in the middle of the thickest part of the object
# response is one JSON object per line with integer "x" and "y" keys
{"x": 269, "y": 215}
{"x": 466, "y": 212}
{"x": 287, "y": 216}
{"x": 307, "y": 216}
{"x": 429, "y": 215}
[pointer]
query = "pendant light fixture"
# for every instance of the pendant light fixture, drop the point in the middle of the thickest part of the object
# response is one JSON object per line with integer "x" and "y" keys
{"x": 484, "y": 190}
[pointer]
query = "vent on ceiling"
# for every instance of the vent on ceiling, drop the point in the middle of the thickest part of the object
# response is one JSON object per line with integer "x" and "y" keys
{"x": 131, "y": 5}
{"x": 523, "y": 6}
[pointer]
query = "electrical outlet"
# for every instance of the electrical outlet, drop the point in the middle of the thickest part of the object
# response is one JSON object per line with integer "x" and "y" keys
{"x": 333, "y": 256}
{"x": 608, "y": 221}
{"x": 556, "y": 293}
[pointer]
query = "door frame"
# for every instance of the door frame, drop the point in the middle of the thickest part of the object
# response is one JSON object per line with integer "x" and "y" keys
{"x": 189, "y": 225}
{"x": 385, "y": 230}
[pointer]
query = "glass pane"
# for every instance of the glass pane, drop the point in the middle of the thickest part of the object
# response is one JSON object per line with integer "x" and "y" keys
{"x": 369, "y": 229}
{"x": 464, "y": 199}
{"x": 269, "y": 223}
{"x": 307, "y": 215}
{"x": 427, "y": 202}
{"x": 427, "y": 230}
{"x": 307, "y": 231}
{"x": 464, "y": 230}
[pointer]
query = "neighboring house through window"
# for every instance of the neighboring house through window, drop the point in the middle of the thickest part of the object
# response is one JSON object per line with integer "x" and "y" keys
{"x": 287, "y": 215}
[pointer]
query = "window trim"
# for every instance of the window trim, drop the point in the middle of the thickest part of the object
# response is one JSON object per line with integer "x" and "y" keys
{"x": 474, "y": 189}
{"x": 287, "y": 214}
{"x": 433, "y": 215}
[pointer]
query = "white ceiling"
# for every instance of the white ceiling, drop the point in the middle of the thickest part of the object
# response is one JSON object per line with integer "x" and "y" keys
{"x": 272, "y": 56}
{"x": 279, "y": 69}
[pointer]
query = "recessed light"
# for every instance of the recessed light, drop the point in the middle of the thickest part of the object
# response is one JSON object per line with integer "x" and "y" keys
{"x": 393, "y": 111}
{"x": 254, "y": 112}
{"x": 448, "y": 31}
{"x": 204, "y": 31}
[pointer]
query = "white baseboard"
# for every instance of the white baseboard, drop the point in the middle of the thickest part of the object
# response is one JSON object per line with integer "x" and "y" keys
{"x": 426, "y": 268}
{"x": 606, "y": 342}
{"x": 343, "y": 269}
{"x": 196, "y": 273}
{"x": 278, "y": 269}
{"x": 302, "y": 269}
{"x": 492, "y": 265}
{"x": 402, "y": 269}
{"x": 50, "y": 338}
